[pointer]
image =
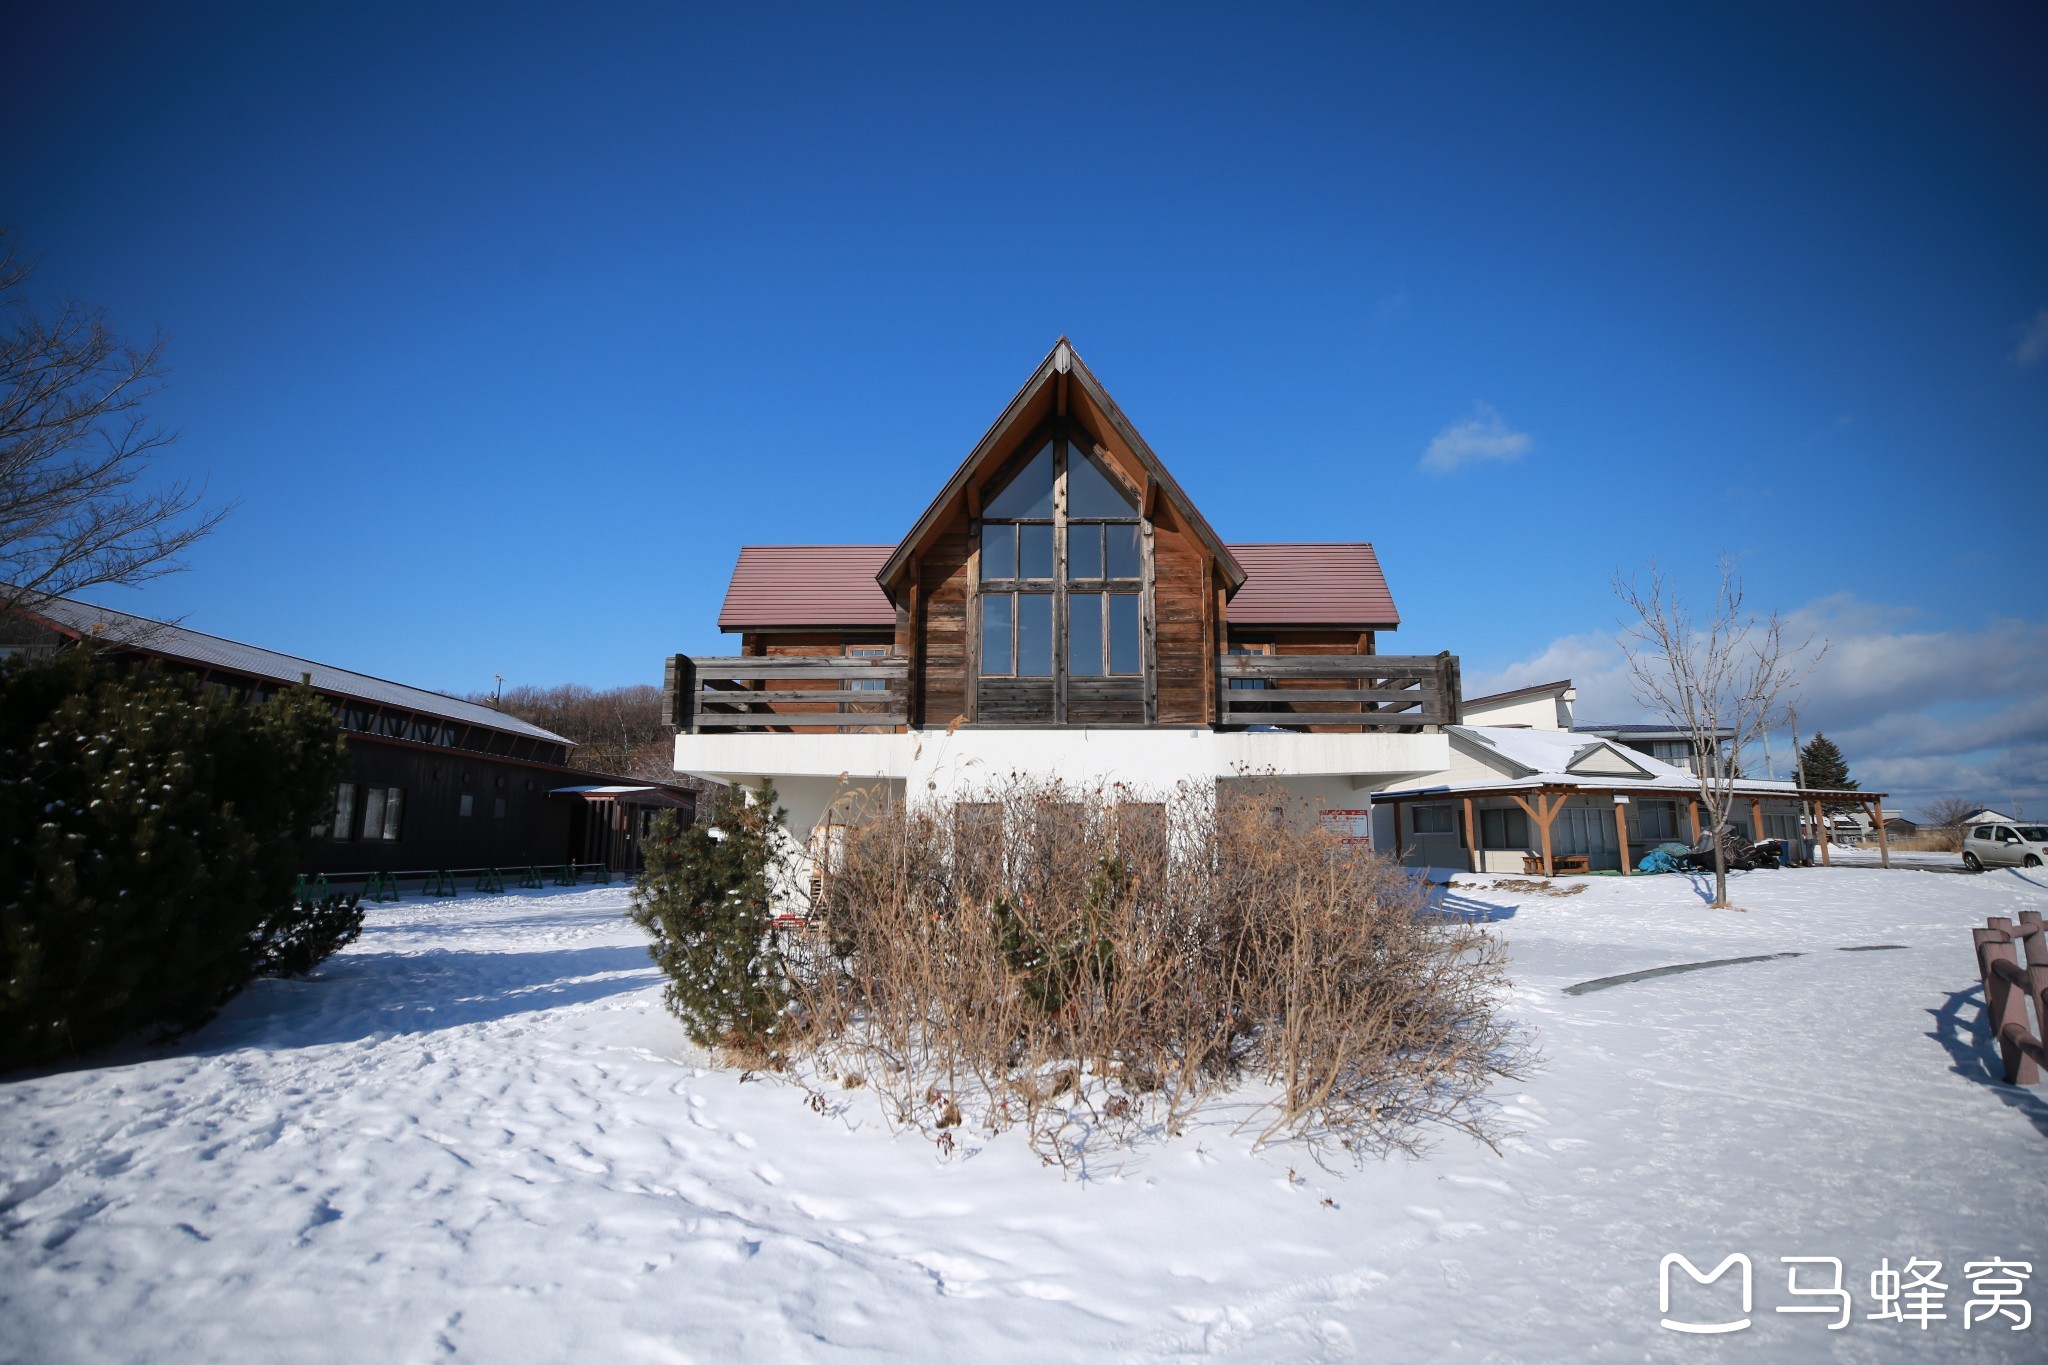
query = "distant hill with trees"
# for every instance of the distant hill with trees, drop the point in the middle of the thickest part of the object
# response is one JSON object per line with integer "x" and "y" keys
{"x": 616, "y": 730}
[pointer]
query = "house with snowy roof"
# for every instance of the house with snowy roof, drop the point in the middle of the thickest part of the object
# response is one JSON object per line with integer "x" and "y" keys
{"x": 1539, "y": 795}
{"x": 1060, "y": 606}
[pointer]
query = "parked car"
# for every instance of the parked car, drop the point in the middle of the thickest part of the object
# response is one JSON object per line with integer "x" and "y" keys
{"x": 2005, "y": 846}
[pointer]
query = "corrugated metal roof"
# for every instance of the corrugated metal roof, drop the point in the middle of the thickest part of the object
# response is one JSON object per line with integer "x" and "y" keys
{"x": 834, "y": 585}
{"x": 211, "y": 651}
{"x": 1305, "y": 585}
{"x": 807, "y": 585}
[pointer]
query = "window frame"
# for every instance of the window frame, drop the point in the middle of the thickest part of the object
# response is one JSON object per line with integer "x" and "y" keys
{"x": 1065, "y": 438}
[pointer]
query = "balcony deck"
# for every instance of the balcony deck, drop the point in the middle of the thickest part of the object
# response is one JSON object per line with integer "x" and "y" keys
{"x": 1321, "y": 694}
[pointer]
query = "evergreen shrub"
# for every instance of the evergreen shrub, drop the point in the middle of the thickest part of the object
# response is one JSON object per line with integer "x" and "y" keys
{"x": 706, "y": 900}
{"x": 150, "y": 836}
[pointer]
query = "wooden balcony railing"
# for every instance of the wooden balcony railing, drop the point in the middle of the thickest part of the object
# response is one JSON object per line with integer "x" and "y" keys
{"x": 1371, "y": 692}
{"x": 738, "y": 695}
{"x": 1352, "y": 692}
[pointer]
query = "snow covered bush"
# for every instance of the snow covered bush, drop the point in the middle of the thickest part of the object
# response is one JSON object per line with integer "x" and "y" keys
{"x": 1087, "y": 967}
{"x": 704, "y": 896}
{"x": 150, "y": 837}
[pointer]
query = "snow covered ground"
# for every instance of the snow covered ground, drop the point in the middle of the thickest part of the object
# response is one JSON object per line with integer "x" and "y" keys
{"x": 477, "y": 1133}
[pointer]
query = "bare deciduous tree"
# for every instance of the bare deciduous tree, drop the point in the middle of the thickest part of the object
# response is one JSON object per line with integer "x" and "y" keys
{"x": 74, "y": 444}
{"x": 1946, "y": 815}
{"x": 1729, "y": 677}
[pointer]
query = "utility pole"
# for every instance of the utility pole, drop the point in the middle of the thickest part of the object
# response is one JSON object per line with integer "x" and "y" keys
{"x": 500, "y": 690}
{"x": 1798, "y": 754}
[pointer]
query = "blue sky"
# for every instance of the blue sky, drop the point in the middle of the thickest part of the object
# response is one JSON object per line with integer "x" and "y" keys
{"x": 506, "y": 328}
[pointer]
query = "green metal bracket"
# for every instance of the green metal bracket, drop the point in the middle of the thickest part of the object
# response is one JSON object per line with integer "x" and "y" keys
{"x": 491, "y": 881}
{"x": 442, "y": 883}
{"x": 311, "y": 893}
{"x": 381, "y": 887}
{"x": 531, "y": 879}
{"x": 567, "y": 876}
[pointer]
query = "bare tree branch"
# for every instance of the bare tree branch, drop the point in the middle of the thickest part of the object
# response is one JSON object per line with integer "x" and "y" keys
{"x": 74, "y": 445}
{"x": 1724, "y": 682}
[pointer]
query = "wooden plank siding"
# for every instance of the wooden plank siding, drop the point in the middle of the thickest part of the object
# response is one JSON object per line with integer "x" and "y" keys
{"x": 946, "y": 573}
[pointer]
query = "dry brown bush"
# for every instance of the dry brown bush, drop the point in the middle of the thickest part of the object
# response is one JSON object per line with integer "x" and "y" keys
{"x": 1091, "y": 969}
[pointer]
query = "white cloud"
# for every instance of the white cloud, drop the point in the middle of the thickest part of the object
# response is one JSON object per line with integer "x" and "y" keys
{"x": 2033, "y": 340}
{"x": 1482, "y": 436}
{"x": 1919, "y": 712}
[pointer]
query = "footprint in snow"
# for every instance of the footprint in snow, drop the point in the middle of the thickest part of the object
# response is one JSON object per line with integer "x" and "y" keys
{"x": 742, "y": 1140}
{"x": 767, "y": 1174}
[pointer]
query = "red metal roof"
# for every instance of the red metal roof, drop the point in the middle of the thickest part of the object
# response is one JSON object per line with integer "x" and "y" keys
{"x": 807, "y": 585}
{"x": 1307, "y": 585}
{"x": 834, "y": 585}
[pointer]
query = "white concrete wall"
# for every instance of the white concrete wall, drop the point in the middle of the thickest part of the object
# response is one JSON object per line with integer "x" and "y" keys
{"x": 810, "y": 772}
{"x": 1547, "y": 711}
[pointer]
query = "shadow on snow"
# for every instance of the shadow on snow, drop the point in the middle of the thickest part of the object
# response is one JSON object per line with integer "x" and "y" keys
{"x": 1975, "y": 1054}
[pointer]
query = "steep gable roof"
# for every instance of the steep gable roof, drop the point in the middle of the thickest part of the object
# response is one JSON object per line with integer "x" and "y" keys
{"x": 1022, "y": 413}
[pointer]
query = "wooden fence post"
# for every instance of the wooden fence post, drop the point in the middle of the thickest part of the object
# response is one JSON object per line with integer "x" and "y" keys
{"x": 2005, "y": 1001}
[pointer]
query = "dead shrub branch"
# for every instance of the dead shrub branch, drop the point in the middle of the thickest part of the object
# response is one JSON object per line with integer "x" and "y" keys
{"x": 1093, "y": 969}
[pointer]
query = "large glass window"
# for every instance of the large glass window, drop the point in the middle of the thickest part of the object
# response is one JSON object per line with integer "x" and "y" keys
{"x": 1018, "y": 542}
{"x": 1025, "y": 527}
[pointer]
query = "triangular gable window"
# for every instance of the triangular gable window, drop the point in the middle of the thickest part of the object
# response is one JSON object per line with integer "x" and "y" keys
{"x": 1090, "y": 492}
{"x": 1029, "y": 491}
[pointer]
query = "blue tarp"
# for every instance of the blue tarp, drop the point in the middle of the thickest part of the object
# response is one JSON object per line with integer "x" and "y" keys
{"x": 1663, "y": 858}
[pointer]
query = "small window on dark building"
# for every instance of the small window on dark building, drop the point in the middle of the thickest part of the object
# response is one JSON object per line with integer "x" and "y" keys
{"x": 498, "y": 808}
{"x": 467, "y": 807}
{"x": 343, "y": 828}
{"x": 383, "y": 812}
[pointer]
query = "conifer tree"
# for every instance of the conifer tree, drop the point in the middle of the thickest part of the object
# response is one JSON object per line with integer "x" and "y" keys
{"x": 150, "y": 837}
{"x": 1826, "y": 769}
{"x": 707, "y": 902}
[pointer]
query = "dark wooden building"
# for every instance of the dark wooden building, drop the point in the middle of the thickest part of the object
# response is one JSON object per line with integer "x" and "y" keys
{"x": 435, "y": 782}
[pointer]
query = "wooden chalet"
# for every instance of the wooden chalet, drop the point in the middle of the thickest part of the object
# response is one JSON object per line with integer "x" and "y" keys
{"x": 1059, "y": 605}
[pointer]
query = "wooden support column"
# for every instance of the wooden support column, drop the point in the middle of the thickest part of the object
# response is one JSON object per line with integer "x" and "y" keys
{"x": 1472, "y": 837}
{"x": 1621, "y": 834}
{"x": 1543, "y": 812}
{"x": 1821, "y": 832}
{"x": 1397, "y": 831}
{"x": 1756, "y": 820}
{"x": 1695, "y": 822}
{"x": 1549, "y": 808}
{"x": 1884, "y": 842}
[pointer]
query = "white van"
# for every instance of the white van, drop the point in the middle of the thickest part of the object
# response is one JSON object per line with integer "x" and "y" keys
{"x": 2005, "y": 846}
